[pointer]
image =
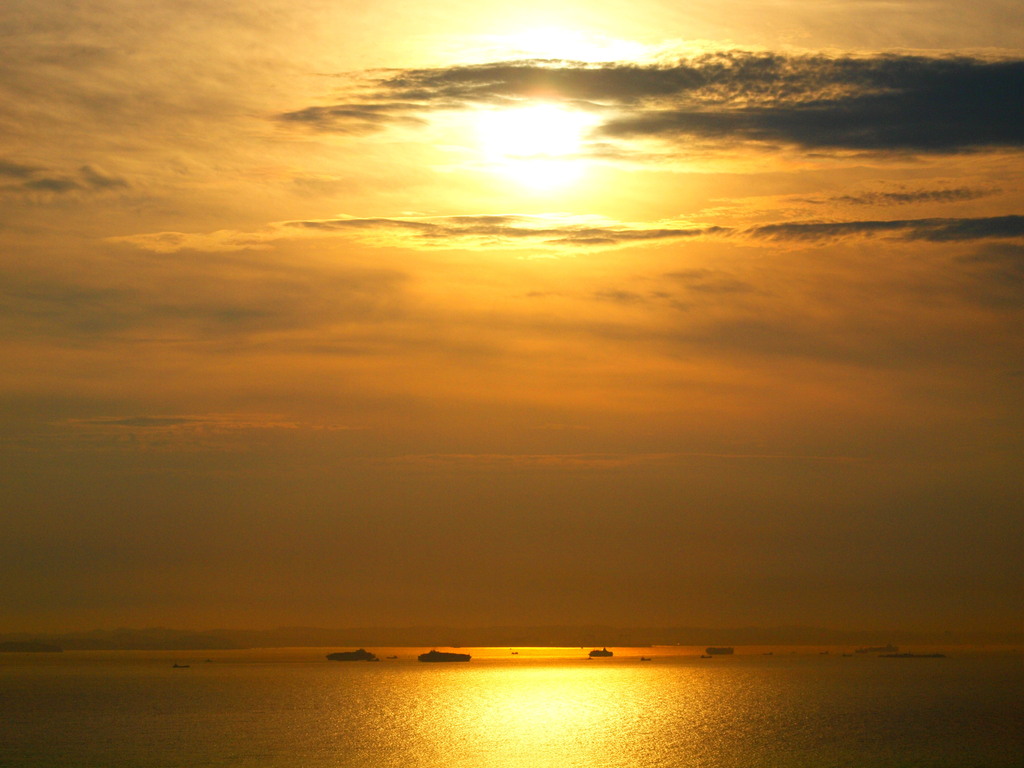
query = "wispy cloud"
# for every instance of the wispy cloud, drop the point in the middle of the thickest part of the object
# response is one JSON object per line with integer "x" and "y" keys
{"x": 20, "y": 178}
{"x": 605, "y": 461}
{"x": 219, "y": 432}
{"x": 905, "y": 197}
{"x": 557, "y": 232}
{"x": 211, "y": 422}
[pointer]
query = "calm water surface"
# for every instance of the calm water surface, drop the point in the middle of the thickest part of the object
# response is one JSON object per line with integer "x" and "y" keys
{"x": 541, "y": 708}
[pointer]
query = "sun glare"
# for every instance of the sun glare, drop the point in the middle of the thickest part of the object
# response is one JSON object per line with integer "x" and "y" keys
{"x": 562, "y": 43}
{"x": 539, "y": 145}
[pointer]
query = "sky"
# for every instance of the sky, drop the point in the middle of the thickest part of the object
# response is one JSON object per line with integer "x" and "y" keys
{"x": 325, "y": 313}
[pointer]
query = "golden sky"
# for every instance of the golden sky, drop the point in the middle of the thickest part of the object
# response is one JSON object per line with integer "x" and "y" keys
{"x": 647, "y": 313}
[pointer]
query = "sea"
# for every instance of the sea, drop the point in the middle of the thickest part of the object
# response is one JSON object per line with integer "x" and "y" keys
{"x": 651, "y": 707}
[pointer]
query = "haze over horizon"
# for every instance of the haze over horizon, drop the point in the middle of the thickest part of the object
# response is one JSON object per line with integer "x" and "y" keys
{"x": 316, "y": 314}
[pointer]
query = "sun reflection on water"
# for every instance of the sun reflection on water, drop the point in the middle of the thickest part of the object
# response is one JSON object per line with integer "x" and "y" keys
{"x": 520, "y": 715}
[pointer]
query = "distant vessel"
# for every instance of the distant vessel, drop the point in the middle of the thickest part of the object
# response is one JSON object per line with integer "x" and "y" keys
{"x": 442, "y": 656}
{"x": 719, "y": 651}
{"x": 912, "y": 656}
{"x": 879, "y": 649}
{"x": 603, "y": 652}
{"x": 360, "y": 655}
{"x": 645, "y": 658}
{"x": 176, "y": 665}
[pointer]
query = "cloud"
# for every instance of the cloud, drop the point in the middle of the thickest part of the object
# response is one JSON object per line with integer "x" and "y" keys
{"x": 217, "y": 422}
{"x": 1006, "y": 259}
{"x": 506, "y": 229}
{"x": 907, "y": 197}
{"x": 891, "y": 104}
{"x": 555, "y": 231}
{"x": 886, "y": 102}
{"x": 223, "y": 240}
{"x": 52, "y": 185}
{"x": 262, "y": 302}
{"x": 551, "y": 231}
{"x": 710, "y": 281}
{"x": 997, "y": 270}
{"x": 933, "y": 230}
{"x": 16, "y": 170}
{"x": 36, "y": 179}
{"x": 96, "y": 179}
{"x": 353, "y": 118}
{"x": 600, "y": 461}
{"x": 233, "y": 432}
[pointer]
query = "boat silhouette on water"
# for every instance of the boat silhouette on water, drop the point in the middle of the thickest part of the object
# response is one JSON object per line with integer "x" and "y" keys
{"x": 444, "y": 656}
{"x": 361, "y": 655}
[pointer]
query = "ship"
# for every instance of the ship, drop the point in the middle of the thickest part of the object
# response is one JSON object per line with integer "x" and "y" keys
{"x": 604, "y": 652}
{"x": 443, "y": 656}
{"x": 879, "y": 649}
{"x": 912, "y": 655}
{"x": 360, "y": 655}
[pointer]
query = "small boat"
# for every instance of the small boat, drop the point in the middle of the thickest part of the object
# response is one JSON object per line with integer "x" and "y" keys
{"x": 645, "y": 658}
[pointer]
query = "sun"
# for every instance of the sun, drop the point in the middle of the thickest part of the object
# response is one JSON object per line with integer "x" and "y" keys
{"x": 541, "y": 145}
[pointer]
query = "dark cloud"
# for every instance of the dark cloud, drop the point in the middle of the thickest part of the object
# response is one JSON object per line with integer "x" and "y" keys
{"x": 885, "y": 102}
{"x": 46, "y": 184}
{"x": 618, "y": 296}
{"x": 145, "y": 421}
{"x": 16, "y": 170}
{"x": 98, "y": 180}
{"x": 934, "y": 230}
{"x": 710, "y": 281}
{"x": 888, "y": 103}
{"x": 353, "y": 118}
{"x": 997, "y": 270}
{"x": 35, "y": 179}
{"x": 908, "y": 197}
{"x": 706, "y": 282}
{"x": 1007, "y": 259}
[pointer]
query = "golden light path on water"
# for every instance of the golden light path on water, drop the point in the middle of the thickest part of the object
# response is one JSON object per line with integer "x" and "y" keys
{"x": 549, "y": 707}
{"x": 510, "y": 708}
